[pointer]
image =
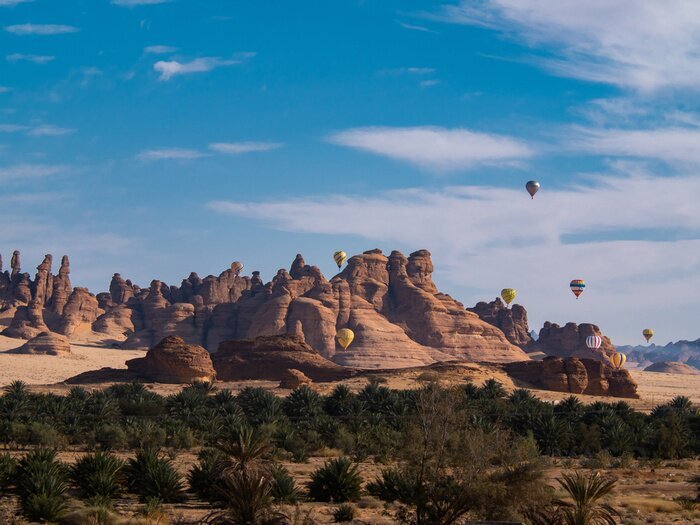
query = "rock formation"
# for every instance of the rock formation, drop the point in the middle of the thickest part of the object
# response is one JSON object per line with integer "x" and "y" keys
{"x": 399, "y": 317}
{"x": 46, "y": 343}
{"x": 293, "y": 378}
{"x": 687, "y": 352}
{"x": 173, "y": 361}
{"x": 578, "y": 376}
{"x": 570, "y": 341}
{"x": 511, "y": 321}
{"x": 271, "y": 357}
{"x": 672, "y": 367}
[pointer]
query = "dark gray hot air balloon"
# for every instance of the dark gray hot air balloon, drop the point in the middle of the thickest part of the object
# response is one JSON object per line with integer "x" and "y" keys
{"x": 532, "y": 186}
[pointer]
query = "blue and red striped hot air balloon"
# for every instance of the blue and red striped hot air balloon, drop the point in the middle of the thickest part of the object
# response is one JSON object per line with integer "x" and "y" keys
{"x": 577, "y": 286}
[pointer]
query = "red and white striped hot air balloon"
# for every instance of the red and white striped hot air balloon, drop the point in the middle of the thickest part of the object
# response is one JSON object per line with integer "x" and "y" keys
{"x": 594, "y": 342}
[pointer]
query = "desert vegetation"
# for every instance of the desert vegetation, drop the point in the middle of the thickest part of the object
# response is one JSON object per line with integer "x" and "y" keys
{"x": 433, "y": 455}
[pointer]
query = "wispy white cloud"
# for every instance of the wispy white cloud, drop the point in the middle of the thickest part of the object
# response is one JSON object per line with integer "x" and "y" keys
{"x": 433, "y": 147}
{"x": 170, "y": 154}
{"x": 49, "y": 130}
{"x": 159, "y": 50}
{"x": 171, "y": 68}
{"x": 4, "y": 89}
{"x": 134, "y": 3}
{"x": 487, "y": 238}
{"x": 20, "y": 172}
{"x": 236, "y": 148}
{"x": 11, "y": 128}
{"x": 22, "y": 57}
{"x": 12, "y": 3}
{"x": 641, "y": 45}
{"x": 41, "y": 29}
{"x": 671, "y": 144}
{"x": 429, "y": 83}
{"x": 415, "y": 27}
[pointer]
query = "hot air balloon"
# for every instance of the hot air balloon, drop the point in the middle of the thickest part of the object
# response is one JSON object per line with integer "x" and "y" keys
{"x": 339, "y": 258}
{"x": 577, "y": 286}
{"x": 618, "y": 359}
{"x": 593, "y": 342}
{"x": 345, "y": 336}
{"x": 532, "y": 187}
{"x": 508, "y": 294}
{"x": 648, "y": 333}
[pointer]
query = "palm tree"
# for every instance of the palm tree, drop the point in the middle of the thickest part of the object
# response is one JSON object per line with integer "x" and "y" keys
{"x": 586, "y": 491}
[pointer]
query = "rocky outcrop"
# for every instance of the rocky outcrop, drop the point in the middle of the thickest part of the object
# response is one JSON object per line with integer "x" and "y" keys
{"x": 399, "y": 317}
{"x": 46, "y": 343}
{"x": 81, "y": 308}
{"x": 173, "y": 361}
{"x": 271, "y": 357}
{"x": 27, "y": 323}
{"x": 511, "y": 321}
{"x": 578, "y": 376}
{"x": 292, "y": 379}
{"x": 672, "y": 367}
{"x": 570, "y": 341}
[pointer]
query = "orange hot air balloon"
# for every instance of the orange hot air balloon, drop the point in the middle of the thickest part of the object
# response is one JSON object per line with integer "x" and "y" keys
{"x": 618, "y": 360}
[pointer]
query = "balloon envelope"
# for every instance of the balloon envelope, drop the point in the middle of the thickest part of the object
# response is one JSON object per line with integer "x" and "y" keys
{"x": 532, "y": 187}
{"x": 345, "y": 336}
{"x": 237, "y": 267}
{"x": 593, "y": 342}
{"x": 339, "y": 258}
{"x": 577, "y": 286}
{"x": 508, "y": 294}
{"x": 618, "y": 359}
{"x": 648, "y": 333}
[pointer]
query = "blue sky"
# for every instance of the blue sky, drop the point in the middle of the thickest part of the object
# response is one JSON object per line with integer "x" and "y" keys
{"x": 154, "y": 138}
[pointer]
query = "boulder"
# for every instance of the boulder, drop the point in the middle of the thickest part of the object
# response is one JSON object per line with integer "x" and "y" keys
{"x": 570, "y": 341}
{"x": 46, "y": 343}
{"x": 270, "y": 357}
{"x": 173, "y": 361}
{"x": 293, "y": 378}
{"x": 578, "y": 376}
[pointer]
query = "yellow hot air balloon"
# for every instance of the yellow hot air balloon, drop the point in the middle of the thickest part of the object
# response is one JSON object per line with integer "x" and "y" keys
{"x": 648, "y": 333}
{"x": 508, "y": 294}
{"x": 618, "y": 359}
{"x": 339, "y": 258}
{"x": 345, "y": 337}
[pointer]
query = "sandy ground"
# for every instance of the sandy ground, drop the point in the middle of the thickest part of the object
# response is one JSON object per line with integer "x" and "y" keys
{"x": 90, "y": 352}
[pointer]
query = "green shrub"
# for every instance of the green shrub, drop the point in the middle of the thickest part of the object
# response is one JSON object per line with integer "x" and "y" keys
{"x": 41, "y": 485}
{"x": 344, "y": 513}
{"x": 98, "y": 475}
{"x": 45, "y": 435}
{"x": 153, "y": 477}
{"x": 183, "y": 438}
{"x": 284, "y": 488}
{"x": 337, "y": 480}
{"x": 8, "y": 466}
{"x": 259, "y": 405}
{"x": 111, "y": 436}
{"x": 302, "y": 404}
{"x": 203, "y": 476}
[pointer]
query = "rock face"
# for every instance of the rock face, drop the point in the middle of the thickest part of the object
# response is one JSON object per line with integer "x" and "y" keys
{"x": 511, "y": 321}
{"x": 399, "y": 317}
{"x": 271, "y": 357}
{"x": 173, "y": 361}
{"x": 46, "y": 343}
{"x": 294, "y": 379}
{"x": 570, "y": 341}
{"x": 672, "y": 367}
{"x": 578, "y": 376}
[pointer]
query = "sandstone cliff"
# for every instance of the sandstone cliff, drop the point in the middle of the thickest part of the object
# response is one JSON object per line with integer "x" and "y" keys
{"x": 399, "y": 317}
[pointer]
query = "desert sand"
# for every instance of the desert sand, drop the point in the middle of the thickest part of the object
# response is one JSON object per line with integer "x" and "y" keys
{"x": 89, "y": 352}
